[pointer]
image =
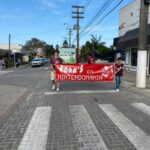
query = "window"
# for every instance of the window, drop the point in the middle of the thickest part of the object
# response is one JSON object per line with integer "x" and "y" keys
{"x": 134, "y": 57}
{"x": 127, "y": 57}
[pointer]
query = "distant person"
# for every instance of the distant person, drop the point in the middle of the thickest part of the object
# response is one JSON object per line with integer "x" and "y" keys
{"x": 3, "y": 63}
{"x": 17, "y": 64}
{"x": 78, "y": 60}
{"x": 53, "y": 61}
{"x": 90, "y": 59}
{"x": 0, "y": 64}
{"x": 119, "y": 68}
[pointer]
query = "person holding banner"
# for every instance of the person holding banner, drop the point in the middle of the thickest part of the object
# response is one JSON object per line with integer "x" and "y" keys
{"x": 90, "y": 59}
{"x": 119, "y": 67}
{"x": 53, "y": 61}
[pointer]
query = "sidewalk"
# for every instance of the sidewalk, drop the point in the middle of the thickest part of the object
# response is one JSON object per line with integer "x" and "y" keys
{"x": 129, "y": 81}
{"x": 14, "y": 68}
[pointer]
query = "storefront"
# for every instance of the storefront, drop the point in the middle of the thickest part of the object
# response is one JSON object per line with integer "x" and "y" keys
{"x": 129, "y": 42}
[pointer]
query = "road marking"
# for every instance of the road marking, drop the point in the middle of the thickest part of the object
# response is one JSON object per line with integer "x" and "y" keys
{"x": 85, "y": 129}
{"x": 135, "y": 135}
{"x": 80, "y": 92}
{"x": 35, "y": 137}
{"x": 141, "y": 106}
{"x": 46, "y": 68}
{"x": 29, "y": 96}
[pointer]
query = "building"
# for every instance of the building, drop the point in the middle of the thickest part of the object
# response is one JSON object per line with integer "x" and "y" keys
{"x": 65, "y": 44}
{"x": 128, "y": 35}
{"x": 20, "y": 53}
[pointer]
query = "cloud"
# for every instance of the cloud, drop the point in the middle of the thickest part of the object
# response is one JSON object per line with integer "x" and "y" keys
{"x": 56, "y": 12}
{"x": 48, "y": 3}
{"x": 99, "y": 28}
{"x": 16, "y": 17}
{"x": 63, "y": 1}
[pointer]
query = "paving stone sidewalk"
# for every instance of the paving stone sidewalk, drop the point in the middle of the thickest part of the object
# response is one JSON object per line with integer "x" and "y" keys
{"x": 129, "y": 81}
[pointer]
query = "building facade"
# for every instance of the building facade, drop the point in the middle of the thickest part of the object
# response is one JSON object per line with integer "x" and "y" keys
{"x": 128, "y": 35}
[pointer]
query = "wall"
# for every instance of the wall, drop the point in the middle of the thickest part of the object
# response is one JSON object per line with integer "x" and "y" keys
{"x": 129, "y": 17}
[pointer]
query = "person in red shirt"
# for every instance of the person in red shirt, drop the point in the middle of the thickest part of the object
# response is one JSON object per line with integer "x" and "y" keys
{"x": 78, "y": 60}
{"x": 53, "y": 61}
{"x": 90, "y": 59}
{"x": 119, "y": 68}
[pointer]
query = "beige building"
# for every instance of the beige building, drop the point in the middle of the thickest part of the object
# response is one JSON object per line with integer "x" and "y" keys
{"x": 128, "y": 33}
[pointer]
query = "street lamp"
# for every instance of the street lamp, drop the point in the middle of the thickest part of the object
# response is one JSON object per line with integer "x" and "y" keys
{"x": 70, "y": 33}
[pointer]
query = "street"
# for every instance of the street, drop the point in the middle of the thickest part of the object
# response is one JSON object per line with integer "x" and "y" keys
{"x": 82, "y": 116}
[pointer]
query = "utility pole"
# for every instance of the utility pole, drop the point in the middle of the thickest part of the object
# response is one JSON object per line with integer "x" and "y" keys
{"x": 78, "y": 17}
{"x": 70, "y": 34}
{"x": 9, "y": 39}
{"x": 142, "y": 51}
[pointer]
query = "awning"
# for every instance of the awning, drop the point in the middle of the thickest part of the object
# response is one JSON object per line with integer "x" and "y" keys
{"x": 130, "y": 39}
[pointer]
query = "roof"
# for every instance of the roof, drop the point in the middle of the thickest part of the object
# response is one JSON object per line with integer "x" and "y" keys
{"x": 130, "y": 39}
{"x": 14, "y": 47}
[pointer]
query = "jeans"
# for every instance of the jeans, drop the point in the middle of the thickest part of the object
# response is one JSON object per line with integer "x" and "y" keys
{"x": 118, "y": 81}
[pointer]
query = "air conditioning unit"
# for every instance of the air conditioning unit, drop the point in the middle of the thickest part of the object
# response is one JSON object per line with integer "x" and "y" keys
{"x": 147, "y": 2}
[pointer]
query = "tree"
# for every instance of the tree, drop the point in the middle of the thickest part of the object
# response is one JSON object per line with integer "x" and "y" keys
{"x": 35, "y": 44}
{"x": 49, "y": 50}
{"x": 94, "y": 46}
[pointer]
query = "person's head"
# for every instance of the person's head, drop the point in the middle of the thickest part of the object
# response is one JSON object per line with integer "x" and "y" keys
{"x": 56, "y": 53}
{"x": 119, "y": 60}
{"x": 90, "y": 54}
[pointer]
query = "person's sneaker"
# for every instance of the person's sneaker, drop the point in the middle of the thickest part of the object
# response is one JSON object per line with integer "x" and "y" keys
{"x": 57, "y": 90}
{"x": 117, "y": 90}
{"x": 53, "y": 87}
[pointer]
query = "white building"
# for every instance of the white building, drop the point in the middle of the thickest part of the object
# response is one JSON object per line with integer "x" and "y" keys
{"x": 15, "y": 48}
{"x": 128, "y": 34}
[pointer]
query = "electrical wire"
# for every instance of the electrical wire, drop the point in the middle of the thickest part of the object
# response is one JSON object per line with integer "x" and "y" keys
{"x": 100, "y": 11}
{"x": 104, "y": 16}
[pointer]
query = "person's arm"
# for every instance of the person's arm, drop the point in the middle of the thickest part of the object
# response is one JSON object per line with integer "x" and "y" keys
{"x": 51, "y": 65}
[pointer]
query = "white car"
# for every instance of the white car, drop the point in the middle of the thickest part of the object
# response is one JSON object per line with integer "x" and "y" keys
{"x": 37, "y": 62}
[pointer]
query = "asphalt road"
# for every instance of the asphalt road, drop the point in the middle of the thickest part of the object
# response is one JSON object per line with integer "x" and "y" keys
{"x": 82, "y": 116}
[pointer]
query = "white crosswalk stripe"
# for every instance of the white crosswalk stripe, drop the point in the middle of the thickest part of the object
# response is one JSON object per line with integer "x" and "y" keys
{"x": 142, "y": 107}
{"x": 135, "y": 135}
{"x": 35, "y": 137}
{"x": 85, "y": 129}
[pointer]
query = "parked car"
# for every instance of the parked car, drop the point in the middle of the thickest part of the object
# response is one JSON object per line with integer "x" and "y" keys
{"x": 37, "y": 62}
{"x": 46, "y": 60}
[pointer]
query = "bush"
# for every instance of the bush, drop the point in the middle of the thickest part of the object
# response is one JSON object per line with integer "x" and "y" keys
{"x": 9, "y": 63}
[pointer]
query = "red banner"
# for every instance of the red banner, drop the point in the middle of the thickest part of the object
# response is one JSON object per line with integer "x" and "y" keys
{"x": 85, "y": 72}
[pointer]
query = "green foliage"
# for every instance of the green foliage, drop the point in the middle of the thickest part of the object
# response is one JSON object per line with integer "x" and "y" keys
{"x": 9, "y": 62}
{"x": 94, "y": 46}
{"x": 49, "y": 50}
{"x": 35, "y": 43}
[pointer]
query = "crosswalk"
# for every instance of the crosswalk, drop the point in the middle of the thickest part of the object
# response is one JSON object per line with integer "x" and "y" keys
{"x": 36, "y": 134}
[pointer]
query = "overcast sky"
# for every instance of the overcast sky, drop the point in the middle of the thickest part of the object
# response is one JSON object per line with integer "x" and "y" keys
{"x": 45, "y": 20}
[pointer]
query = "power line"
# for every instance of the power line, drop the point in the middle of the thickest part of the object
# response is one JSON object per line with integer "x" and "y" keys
{"x": 87, "y": 5}
{"x": 105, "y": 16}
{"x": 101, "y": 10}
{"x": 110, "y": 12}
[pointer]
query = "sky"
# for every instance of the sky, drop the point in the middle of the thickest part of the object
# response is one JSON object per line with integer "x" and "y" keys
{"x": 44, "y": 19}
